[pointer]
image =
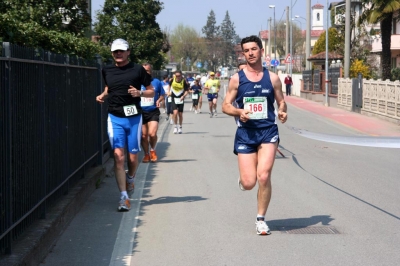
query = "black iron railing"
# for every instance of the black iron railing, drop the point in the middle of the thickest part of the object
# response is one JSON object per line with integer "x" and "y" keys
{"x": 51, "y": 132}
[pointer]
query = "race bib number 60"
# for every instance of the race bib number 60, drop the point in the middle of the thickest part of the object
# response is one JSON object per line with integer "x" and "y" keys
{"x": 258, "y": 107}
{"x": 130, "y": 110}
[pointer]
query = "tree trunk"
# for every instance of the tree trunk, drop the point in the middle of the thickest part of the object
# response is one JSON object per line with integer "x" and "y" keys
{"x": 386, "y": 54}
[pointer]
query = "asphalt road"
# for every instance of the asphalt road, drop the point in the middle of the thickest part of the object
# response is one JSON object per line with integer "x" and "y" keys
{"x": 332, "y": 204}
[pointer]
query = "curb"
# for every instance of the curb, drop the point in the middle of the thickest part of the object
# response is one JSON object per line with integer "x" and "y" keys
{"x": 35, "y": 244}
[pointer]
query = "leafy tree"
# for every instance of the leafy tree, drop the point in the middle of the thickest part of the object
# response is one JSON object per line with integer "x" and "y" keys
{"x": 134, "y": 21}
{"x": 186, "y": 43}
{"x": 211, "y": 30}
{"x": 212, "y": 33}
{"x": 334, "y": 45}
{"x": 56, "y": 26}
{"x": 228, "y": 36}
{"x": 357, "y": 67}
{"x": 381, "y": 11}
{"x": 395, "y": 74}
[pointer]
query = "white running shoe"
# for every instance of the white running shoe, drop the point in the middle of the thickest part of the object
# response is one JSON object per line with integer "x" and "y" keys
{"x": 211, "y": 115}
{"x": 240, "y": 185}
{"x": 199, "y": 111}
{"x": 180, "y": 130}
{"x": 191, "y": 108}
{"x": 175, "y": 130}
{"x": 262, "y": 228}
{"x": 171, "y": 121}
{"x": 195, "y": 111}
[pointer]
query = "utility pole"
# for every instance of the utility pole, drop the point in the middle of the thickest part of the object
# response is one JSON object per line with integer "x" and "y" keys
{"x": 269, "y": 37}
{"x": 347, "y": 37}
{"x": 291, "y": 38}
{"x": 308, "y": 34}
{"x": 273, "y": 6}
{"x": 327, "y": 55}
{"x": 287, "y": 38}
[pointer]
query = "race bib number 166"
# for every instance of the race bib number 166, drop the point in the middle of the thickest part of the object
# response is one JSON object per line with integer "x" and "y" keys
{"x": 258, "y": 107}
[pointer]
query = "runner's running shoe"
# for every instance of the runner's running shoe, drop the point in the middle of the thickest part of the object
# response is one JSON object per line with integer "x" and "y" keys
{"x": 124, "y": 205}
{"x": 146, "y": 158}
{"x": 153, "y": 156}
{"x": 180, "y": 130}
{"x": 262, "y": 228}
{"x": 175, "y": 130}
{"x": 240, "y": 185}
{"x": 211, "y": 115}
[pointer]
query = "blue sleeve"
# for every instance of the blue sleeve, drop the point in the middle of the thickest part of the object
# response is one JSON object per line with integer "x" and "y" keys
{"x": 162, "y": 92}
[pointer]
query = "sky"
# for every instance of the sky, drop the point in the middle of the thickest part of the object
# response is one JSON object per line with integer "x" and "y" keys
{"x": 248, "y": 16}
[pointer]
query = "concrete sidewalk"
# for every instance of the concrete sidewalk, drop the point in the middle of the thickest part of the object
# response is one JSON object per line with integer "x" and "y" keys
{"x": 371, "y": 126}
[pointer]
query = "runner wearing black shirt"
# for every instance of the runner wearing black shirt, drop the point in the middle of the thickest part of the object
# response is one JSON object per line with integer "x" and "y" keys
{"x": 123, "y": 90}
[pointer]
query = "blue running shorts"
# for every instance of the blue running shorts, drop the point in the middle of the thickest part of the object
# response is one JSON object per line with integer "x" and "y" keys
{"x": 248, "y": 140}
{"x": 212, "y": 96}
{"x": 125, "y": 131}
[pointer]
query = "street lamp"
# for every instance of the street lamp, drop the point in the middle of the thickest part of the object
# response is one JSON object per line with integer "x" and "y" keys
{"x": 273, "y": 6}
{"x": 301, "y": 24}
{"x": 297, "y": 16}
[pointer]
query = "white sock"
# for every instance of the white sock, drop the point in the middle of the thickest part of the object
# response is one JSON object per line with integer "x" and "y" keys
{"x": 124, "y": 195}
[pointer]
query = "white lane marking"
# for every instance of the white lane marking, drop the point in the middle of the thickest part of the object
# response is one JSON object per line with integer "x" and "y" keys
{"x": 366, "y": 141}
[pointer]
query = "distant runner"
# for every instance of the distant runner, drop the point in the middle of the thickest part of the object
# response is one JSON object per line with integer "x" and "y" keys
{"x": 212, "y": 86}
{"x": 178, "y": 91}
{"x": 151, "y": 117}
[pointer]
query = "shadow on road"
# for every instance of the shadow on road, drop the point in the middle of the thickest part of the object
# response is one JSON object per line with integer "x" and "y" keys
{"x": 300, "y": 222}
{"x": 168, "y": 199}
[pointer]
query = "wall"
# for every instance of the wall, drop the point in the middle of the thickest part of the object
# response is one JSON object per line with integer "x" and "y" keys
{"x": 380, "y": 98}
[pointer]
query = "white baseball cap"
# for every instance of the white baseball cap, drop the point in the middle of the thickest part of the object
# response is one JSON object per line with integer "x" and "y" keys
{"x": 198, "y": 77}
{"x": 119, "y": 44}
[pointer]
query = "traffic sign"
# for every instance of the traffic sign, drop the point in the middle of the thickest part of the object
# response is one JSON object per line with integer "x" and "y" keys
{"x": 288, "y": 59}
{"x": 199, "y": 65}
{"x": 274, "y": 62}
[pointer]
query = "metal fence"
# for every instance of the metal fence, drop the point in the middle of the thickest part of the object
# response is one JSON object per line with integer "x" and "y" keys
{"x": 317, "y": 81}
{"x": 334, "y": 75}
{"x": 308, "y": 80}
{"x": 51, "y": 132}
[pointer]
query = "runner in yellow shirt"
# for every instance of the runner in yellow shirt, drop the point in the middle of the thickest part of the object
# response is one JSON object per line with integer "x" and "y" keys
{"x": 212, "y": 86}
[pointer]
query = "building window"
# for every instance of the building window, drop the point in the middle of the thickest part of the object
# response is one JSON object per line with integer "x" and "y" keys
{"x": 317, "y": 16}
{"x": 394, "y": 62}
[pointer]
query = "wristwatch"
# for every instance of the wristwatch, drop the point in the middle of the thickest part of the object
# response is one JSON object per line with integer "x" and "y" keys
{"x": 141, "y": 93}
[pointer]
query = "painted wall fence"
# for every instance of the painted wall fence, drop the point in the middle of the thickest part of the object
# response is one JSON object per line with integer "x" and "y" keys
{"x": 379, "y": 98}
